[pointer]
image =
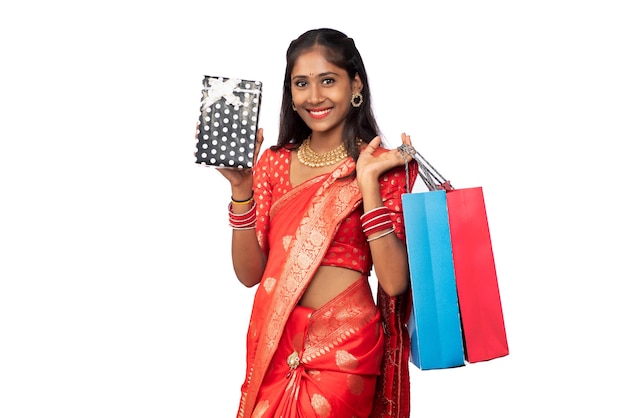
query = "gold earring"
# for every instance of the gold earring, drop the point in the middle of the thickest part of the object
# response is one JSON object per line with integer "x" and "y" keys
{"x": 293, "y": 105}
{"x": 357, "y": 99}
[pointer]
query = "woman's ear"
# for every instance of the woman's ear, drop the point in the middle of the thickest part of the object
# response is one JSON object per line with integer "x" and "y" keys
{"x": 357, "y": 84}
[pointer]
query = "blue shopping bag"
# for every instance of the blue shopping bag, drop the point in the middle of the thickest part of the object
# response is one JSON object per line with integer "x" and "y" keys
{"x": 435, "y": 324}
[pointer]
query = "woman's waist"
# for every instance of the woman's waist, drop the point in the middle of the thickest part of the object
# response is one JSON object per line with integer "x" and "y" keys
{"x": 350, "y": 322}
{"x": 329, "y": 282}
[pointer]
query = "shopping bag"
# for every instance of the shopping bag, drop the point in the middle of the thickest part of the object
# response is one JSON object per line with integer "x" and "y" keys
{"x": 434, "y": 324}
{"x": 478, "y": 296}
{"x": 476, "y": 279}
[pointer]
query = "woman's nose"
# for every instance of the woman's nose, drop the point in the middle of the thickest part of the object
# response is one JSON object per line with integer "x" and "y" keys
{"x": 316, "y": 95}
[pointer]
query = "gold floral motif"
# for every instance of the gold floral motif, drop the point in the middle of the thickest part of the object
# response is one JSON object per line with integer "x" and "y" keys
{"x": 269, "y": 284}
{"x": 317, "y": 238}
{"x": 345, "y": 360}
{"x": 286, "y": 241}
{"x": 320, "y": 405}
{"x": 355, "y": 384}
{"x": 303, "y": 260}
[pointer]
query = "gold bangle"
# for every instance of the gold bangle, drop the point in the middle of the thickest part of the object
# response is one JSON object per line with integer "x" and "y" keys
{"x": 242, "y": 202}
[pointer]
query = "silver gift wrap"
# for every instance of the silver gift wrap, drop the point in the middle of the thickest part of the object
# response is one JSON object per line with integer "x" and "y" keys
{"x": 229, "y": 119}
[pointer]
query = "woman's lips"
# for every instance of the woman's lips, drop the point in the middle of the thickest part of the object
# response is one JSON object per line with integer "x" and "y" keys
{"x": 319, "y": 113}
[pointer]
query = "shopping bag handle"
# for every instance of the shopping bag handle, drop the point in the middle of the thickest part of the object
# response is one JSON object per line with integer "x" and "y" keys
{"x": 429, "y": 175}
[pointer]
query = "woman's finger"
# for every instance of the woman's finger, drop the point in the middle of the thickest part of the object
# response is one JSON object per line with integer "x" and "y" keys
{"x": 374, "y": 143}
{"x": 258, "y": 143}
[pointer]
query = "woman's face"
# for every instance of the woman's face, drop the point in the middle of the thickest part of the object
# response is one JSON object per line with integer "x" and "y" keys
{"x": 322, "y": 92}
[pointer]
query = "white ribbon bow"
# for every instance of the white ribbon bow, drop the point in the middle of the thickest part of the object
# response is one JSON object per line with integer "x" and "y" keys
{"x": 219, "y": 89}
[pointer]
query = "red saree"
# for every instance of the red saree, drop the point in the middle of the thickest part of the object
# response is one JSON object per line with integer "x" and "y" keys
{"x": 327, "y": 362}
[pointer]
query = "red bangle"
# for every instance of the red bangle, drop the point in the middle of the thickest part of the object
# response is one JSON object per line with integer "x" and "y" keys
{"x": 368, "y": 216}
{"x": 377, "y": 228}
{"x": 245, "y": 220}
{"x": 376, "y": 220}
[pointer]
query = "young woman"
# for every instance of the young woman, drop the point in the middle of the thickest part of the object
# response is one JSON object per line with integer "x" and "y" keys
{"x": 310, "y": 220}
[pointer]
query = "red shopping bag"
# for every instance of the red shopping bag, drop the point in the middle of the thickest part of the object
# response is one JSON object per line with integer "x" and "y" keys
{"x": 480, "y": 306}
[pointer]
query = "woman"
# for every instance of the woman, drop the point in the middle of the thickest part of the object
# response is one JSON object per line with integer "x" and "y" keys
{"x": 320, "y": 209}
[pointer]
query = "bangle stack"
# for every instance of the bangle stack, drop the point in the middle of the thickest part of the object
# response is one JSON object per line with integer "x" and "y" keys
{"x": 245, "y": 220}
{"x": 377, "y": 220}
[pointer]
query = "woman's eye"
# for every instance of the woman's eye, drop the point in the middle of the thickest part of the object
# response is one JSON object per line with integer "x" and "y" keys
{"x": 300, "y": 83}
{"x": 327, "y": 81}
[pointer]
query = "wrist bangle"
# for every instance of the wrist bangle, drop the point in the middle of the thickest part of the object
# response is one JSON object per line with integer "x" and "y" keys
{"x": 242, "y": 202}
{"x": 245, "y": 220}
{"x": 384, "y": 234}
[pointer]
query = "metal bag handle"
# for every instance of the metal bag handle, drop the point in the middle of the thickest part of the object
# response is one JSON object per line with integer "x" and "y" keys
{"x": 429, "y": 175}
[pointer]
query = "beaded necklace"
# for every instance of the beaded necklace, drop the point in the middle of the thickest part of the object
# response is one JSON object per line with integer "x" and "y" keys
{"x": 314, "y": 159}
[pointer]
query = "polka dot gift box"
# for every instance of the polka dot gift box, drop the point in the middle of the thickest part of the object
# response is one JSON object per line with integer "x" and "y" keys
{"x": 229, "y": 118}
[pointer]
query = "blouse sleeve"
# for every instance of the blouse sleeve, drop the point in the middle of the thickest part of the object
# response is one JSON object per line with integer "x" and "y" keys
{"x": 263, "y": 199}
{"x": 392, "y": 186}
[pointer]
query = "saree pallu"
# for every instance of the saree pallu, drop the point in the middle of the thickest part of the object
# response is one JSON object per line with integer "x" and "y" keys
{"x": 327, "y": 361}
{"x": 303, "y": 222}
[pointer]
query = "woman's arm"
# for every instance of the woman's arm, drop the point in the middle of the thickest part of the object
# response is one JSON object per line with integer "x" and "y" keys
{"x": 389, "y": 253}
{"x": 247, "y": 256}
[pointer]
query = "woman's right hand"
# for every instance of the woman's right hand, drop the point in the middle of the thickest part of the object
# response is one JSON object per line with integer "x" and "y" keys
{"x": 241, "y": 179}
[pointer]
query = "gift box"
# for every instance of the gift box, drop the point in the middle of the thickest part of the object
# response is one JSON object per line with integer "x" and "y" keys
{"x": 229, "y": 119}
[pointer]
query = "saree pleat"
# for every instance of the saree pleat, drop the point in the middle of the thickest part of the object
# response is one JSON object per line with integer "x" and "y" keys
{"x": 339, "y": 347}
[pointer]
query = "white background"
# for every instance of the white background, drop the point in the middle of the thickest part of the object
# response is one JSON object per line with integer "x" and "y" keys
{"x": 117, "y": 297}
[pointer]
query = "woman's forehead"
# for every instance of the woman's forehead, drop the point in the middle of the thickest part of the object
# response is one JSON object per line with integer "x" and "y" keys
{"x": 313, "y": 63}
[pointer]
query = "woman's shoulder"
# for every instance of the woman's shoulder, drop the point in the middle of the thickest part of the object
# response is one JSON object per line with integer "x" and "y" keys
{"x": 273, "y": 158}
{"x": 274, "y": 152}
{"x": 277, "y": 150}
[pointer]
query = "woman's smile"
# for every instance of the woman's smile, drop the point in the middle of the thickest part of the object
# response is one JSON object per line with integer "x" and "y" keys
{"x": 319, "y": 113}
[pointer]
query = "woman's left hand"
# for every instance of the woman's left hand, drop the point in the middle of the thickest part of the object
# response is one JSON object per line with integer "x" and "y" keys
{"x": 369, "y": 167}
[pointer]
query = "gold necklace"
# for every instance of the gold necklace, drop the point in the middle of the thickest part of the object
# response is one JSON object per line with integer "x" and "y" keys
{"x": 313, "y": 159}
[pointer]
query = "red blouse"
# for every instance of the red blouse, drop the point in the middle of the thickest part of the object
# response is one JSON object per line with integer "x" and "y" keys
{"x": 349, "y": 248}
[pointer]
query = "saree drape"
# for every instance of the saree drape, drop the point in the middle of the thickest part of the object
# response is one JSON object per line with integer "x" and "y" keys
{"x": 291, "y": 349}
{"x": 335, "y": 354}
